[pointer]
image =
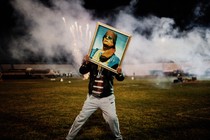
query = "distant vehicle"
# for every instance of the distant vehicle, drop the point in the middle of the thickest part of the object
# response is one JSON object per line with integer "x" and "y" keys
{"x": 182, "y": 76}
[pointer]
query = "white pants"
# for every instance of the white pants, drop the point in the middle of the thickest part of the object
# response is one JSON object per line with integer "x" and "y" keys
{"x": 107, "y": 105}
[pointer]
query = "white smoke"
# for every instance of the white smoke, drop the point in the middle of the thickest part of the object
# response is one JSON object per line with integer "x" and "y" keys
{"x": 190, "y": 50}
{"x": 153, "y": 39}
{"x": 67, "y": 25}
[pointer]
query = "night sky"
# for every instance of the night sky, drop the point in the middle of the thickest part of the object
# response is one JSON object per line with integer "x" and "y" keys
{"x": 182, "y": 11}
{"x": 186, "y": 14}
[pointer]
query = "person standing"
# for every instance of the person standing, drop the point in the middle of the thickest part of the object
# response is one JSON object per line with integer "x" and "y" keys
{"x": 100, "y": 96}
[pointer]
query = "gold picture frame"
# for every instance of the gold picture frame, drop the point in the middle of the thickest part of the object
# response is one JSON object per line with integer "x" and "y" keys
{"x": 120, "y": 40}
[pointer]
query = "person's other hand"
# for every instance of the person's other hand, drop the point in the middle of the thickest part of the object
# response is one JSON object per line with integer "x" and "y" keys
{"x": 119, "y": 70}
{"x": 86, "y": 59}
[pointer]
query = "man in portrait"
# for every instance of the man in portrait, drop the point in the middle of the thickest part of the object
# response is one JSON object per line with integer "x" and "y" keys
{"x": 107, "y": 55}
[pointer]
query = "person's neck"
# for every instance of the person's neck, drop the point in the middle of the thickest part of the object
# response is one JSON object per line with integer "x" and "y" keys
{"x": 106, "y": 47}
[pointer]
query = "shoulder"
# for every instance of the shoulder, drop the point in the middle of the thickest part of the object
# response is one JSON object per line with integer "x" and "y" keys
{"x": 114, "y": 61}
{"x": 115, "y": 58}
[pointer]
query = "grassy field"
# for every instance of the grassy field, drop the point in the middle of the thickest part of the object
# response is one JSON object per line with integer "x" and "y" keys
{"x": 148, "y": 109}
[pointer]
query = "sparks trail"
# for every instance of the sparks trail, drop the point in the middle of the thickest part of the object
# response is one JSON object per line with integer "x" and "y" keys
{"x": 80, "y": 38}
{"x": 81, "y": 35}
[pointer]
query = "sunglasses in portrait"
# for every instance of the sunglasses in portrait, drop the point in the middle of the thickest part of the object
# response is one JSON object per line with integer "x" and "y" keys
{"x": 108, "y": 37}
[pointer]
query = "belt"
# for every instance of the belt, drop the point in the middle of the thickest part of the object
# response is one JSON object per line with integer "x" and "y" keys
{"x": 101, "y": 95}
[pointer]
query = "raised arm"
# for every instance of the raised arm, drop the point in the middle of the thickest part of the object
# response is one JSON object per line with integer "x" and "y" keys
{"x": 85, "y": 67}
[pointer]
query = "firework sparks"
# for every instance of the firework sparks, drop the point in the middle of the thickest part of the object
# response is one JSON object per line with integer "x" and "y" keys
{"x": 80, "y": 38}
{"x": 64, "y": 20}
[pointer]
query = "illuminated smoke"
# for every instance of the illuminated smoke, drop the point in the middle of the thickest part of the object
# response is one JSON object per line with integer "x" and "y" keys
{"x": 69, "y": 25}
{"x": 65, "y": 29}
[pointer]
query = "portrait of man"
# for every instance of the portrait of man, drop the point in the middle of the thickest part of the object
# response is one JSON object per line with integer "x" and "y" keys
{"x": 108, "y": 47}
{"x": 107, "y": 55}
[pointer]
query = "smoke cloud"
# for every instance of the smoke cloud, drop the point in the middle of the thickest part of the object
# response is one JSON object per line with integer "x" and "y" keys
{"x": 63, "y": 29}
{"x": 66, "y": 29}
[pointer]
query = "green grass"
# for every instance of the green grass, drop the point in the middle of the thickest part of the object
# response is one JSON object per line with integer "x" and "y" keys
{"x": 148, "y": 109}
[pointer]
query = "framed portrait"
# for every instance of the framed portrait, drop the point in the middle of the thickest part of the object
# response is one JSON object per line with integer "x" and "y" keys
{"x": 108, "y": 47}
